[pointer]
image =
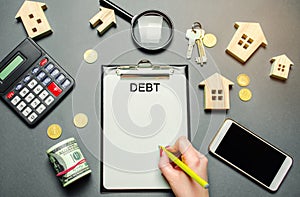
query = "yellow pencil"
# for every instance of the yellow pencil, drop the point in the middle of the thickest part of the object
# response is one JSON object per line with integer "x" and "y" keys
{"x": 186, "y": 169}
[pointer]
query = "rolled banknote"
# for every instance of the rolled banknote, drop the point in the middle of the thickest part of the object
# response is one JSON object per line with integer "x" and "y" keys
{"x": 68, "y": 161}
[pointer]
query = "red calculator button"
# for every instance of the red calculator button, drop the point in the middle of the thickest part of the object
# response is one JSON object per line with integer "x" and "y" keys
{"x": 54, "y": 89}
{"x": 43, "y": 62}
{"x": 10, "y": 94}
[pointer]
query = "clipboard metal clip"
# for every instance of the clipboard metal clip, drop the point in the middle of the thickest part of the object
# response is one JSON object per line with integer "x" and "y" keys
{"x": 145, "y": 69}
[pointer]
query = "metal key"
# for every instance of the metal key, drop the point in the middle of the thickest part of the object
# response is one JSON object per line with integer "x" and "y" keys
{"x": 202, "y": 55}
{"x": 192, "y": 35}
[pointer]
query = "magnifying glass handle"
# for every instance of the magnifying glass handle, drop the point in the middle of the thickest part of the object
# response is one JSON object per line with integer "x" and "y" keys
{"x": 122, "y": 13}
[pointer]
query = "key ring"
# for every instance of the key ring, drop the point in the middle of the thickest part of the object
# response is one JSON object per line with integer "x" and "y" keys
{"x": 196, "y": 24}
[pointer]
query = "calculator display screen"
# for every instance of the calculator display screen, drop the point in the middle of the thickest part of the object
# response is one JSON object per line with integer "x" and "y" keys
{"x": 17, "y": 61}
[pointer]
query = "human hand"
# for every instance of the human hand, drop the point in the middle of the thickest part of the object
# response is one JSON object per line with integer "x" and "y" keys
{"x": 182, "y": 184}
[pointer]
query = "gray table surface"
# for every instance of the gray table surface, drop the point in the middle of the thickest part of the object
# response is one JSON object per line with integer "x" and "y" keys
{"x": 272, "y": 112}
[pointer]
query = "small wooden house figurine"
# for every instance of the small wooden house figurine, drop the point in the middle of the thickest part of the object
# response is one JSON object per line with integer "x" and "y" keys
{"x": 247, "y": 38}
{"x": 105, "y": 17}
{"x": 216, "y": 92}
{"x": 33, "y": 18}
{"x": 280, "y": 67}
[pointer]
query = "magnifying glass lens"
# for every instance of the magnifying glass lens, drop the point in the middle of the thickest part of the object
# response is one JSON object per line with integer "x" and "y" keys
{"x": 152, "y": 30}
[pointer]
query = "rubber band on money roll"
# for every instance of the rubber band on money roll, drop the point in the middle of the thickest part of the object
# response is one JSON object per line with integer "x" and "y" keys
{"x": 71, "y": 168}
{"x": 68, "y": 161}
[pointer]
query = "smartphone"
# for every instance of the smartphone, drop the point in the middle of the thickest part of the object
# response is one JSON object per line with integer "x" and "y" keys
{"x": 250, "y": 154}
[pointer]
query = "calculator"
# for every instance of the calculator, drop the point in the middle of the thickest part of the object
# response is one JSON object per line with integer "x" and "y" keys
{"x": 32, "y": 83}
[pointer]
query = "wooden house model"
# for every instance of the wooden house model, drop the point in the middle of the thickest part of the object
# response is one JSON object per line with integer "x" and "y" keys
{"x": 105, "y": 17}
{"x": 246, "y": 40}
{"x": 33, "y": 18}
{"x": 216, "y": 90}
{"x": 280, "y": 67}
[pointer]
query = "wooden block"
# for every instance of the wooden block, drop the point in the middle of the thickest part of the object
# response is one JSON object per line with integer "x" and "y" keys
{"x": 280, "y": 67}
{"x": 33, "y": 18}
{"x": 106, "y": 17}
{"x": 216, "y": 90}
{"x": 246, "y": 40}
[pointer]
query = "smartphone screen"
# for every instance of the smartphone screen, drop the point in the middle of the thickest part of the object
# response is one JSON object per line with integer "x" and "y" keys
{"x": 250, "y": 153}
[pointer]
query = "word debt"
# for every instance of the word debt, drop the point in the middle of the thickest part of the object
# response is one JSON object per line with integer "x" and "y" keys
{"x": 144, "y": 87}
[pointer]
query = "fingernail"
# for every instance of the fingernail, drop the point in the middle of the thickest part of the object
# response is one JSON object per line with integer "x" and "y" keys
{"x": 161, "y": 150}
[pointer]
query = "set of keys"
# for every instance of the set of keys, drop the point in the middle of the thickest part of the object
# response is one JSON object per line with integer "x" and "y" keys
{"x": 195, "y": 36}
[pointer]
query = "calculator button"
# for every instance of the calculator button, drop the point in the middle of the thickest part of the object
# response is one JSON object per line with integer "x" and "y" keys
{"x": 46, "y": 81}
{"x": 54, "y": 89}
{"x": 29, "y": 97}
{"x": 32, "y": 83}
{"x": 54, "y": 72}
{"x": 38, "y": 89}
{"x": 44, "y": 94}
{"x": 35, "y": 103}
{"x": 49, "y": 67}
{"x": 43, "y": 62}
{"x": 41, "y": 75}
{"x": 41, "y": 108}
{"x": 18, "y": 87}
{"x": 24, "y": 91}
{"x": 32, "y": 117}
{"x": 21, "y": 105}
{"x": 60, "y": 78}
{"x": 27, "y": 111}
{"x": 66, "y": 83}
{"x": 49, "y": 100}
{"x": 27, "y": 78}
{"x": 15, "y": 100}
{"x": 35, "y": 70}
{"x": 10, "y": 94}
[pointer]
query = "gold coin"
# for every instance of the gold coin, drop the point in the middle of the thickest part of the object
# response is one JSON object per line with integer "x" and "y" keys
{"x": 243, "y": 80}
{"x": 54, "y": 131}
{"x": 90, "y": 56}
{"x": 80, "y": 120}
{"x": 209, "y": 40}
{"x": 245, "y": 94}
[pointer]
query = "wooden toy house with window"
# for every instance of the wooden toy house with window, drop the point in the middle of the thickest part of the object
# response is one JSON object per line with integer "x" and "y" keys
{"x": 216, "y": 90}
{"x": 280, "y": 67}
{"x": 246, "y": 40}
{"x": 33, "y": 18}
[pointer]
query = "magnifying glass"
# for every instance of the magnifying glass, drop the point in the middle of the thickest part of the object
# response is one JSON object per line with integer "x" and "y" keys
{"x": 151, "y": 30}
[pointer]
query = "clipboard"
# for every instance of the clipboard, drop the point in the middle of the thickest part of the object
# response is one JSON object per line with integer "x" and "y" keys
{"x": 143, "y": 106}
